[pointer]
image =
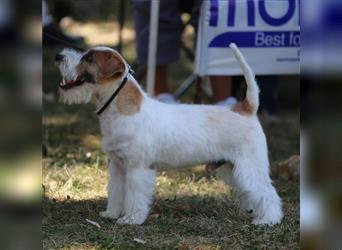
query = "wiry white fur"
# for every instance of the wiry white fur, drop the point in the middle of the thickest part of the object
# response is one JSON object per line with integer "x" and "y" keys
{"x": 252, "y": 94}
{"x": 162, "y": 136}
{"x": 67, "y": 68}
{"x": 76, "y": 95}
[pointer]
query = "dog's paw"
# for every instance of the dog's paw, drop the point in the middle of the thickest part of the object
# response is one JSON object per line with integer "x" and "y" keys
{"x": 131, "y": 220}
{"x": 265, "y": 222}
{"x": 246, "y": 211}
{"x": 108, "y": 215}
{"x": 246, "y": 207}
{"x": 270, "y": 218}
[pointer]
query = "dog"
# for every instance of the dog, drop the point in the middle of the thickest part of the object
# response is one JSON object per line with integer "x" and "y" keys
{"x": 142, "y": 135}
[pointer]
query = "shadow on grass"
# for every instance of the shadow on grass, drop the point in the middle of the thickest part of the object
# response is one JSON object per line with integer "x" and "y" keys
{"x": 169, "y": 222}
{"x": 172, "y": 223}
{"x": 74, "y": 211}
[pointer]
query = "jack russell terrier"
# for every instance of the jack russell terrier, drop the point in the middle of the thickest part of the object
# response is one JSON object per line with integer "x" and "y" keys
{"x": 142, "y": 135}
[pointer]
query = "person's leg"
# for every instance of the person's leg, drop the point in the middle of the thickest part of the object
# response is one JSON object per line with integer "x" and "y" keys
{"x": 222, "y": 90}
{"x": 268, "y": 93}
{"x": 169, "y": 34}
{"x": 221, "y": 86}
{"x": 161, "y": 82}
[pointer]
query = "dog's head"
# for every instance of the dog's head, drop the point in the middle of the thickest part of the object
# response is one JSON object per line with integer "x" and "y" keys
{"x": 101, "y": 65}
{"x": 90, "y": 73}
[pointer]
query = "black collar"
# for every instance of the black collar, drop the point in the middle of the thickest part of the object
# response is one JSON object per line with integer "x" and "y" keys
{"x": 116, "y": 92}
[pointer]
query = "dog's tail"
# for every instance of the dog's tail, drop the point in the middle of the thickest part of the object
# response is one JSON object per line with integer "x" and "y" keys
{"x": 250, "y": 105}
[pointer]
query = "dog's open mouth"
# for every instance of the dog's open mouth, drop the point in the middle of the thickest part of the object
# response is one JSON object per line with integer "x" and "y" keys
{"x": 70, "y": 84}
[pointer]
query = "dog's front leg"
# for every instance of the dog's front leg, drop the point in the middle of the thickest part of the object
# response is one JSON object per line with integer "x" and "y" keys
{"x": 139, "y": 186}
{"x": 115, "y": 204}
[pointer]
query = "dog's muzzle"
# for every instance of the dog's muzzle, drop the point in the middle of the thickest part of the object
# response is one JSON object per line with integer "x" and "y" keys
{"x": 70, "y": 84}
{"x": 64, "y": 84}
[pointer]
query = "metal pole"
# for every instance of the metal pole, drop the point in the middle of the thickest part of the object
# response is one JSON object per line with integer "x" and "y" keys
{"x": 185, "y": 85}
{"x": 121, "y": 18}
{"x": 152, "y": 46}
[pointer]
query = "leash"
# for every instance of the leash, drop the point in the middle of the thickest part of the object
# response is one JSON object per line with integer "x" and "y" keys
{"x": 116, "y": 92}
{"x": 69, "y": 44}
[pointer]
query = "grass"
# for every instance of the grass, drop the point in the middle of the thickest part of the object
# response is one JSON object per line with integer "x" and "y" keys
{"x": 191, "y": 208}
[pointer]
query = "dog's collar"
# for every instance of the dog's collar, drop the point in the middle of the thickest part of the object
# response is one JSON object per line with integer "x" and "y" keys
{"x": 116, "y": 92}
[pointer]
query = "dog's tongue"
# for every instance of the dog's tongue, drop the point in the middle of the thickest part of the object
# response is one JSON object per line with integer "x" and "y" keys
{"x": 70, "y": 84}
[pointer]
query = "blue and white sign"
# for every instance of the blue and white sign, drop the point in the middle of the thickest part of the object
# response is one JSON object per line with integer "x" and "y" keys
{"x": 266, "y": 31}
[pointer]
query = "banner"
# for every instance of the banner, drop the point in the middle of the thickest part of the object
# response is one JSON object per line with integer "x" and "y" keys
{"x": 266, "y": 31}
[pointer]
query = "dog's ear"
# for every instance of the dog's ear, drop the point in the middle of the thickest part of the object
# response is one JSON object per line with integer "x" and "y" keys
{"x": 110, "y": 65}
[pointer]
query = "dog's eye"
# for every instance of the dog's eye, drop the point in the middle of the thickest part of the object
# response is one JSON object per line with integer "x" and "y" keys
{"x": 88, "y": 78}
{"x": 87, "y": 58}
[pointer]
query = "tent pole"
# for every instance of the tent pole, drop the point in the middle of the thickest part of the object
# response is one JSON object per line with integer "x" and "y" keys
{"x": 152, "y": 47}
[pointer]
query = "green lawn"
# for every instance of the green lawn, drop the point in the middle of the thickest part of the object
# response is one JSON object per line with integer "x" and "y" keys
{"x": 191, "y": 209}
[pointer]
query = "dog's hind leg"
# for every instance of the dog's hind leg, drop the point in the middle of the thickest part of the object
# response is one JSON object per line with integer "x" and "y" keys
{"x": 115, "y": 192}
{"x": 225, "y": 172}
{"x": 139, "y": 186}
{"x": 257, "y": 192}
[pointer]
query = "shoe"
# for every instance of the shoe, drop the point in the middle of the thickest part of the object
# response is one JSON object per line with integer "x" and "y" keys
{"x": 167, "y": 98}
{"x": 229, "y": 102}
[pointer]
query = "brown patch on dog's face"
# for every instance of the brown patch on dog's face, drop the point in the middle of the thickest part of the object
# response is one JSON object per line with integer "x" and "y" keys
{"x": 106, "y": 66}
{"x": 110, "y": 65}
{"x": 129, "y": 100}
{"x": 243, "y": 108}
{"x": 102, "y": 65}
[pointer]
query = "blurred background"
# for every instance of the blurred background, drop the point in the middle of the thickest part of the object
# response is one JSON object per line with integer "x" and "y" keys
{"x": 20, "y": 107}
{"x": 35, "y": 124}
{"x": 321, "y": 127}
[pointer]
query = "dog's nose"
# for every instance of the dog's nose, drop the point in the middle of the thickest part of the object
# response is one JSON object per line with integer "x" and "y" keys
{"x": 59, "y": 57}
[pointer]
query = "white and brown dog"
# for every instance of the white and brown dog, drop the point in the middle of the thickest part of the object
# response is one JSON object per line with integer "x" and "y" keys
{"x": 142, "y": 135}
